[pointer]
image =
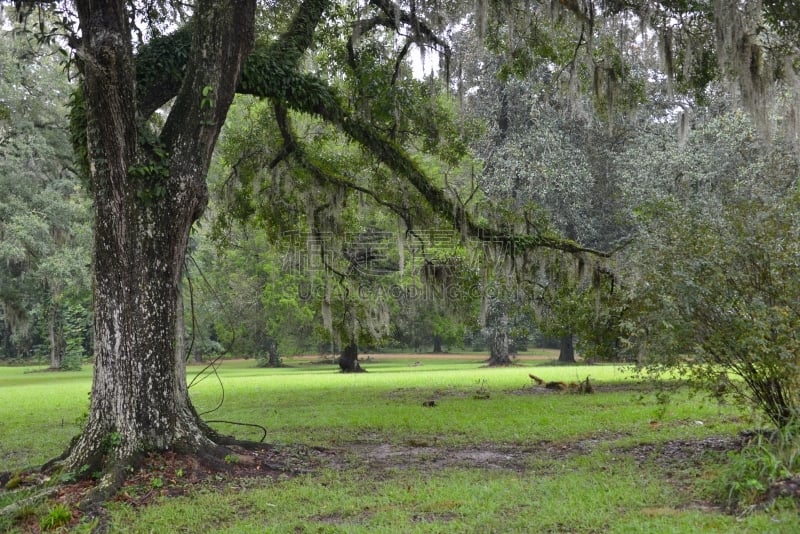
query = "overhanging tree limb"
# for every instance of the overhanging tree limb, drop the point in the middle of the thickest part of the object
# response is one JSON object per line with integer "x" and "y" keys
{"x": 272, "y": 72}
{"x": 292, "y": 148}
{"x": 326, "y": 105}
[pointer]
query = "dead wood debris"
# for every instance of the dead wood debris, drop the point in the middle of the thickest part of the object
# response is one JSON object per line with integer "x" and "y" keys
{"x": 582, "y": 387}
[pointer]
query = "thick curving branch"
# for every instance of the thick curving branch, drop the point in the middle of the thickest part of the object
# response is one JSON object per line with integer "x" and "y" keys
{"x": 161, "y": 63}
{"x": 326, "y": 106}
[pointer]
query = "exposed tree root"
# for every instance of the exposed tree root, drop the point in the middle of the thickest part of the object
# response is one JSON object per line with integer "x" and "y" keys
{"x": 40, "y": 496}
{"x": 110, "y": 483}
{"x": 87, "y": 492}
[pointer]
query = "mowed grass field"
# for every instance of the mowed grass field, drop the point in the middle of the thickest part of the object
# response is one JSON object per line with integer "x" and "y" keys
{"x": 495, "y": 453}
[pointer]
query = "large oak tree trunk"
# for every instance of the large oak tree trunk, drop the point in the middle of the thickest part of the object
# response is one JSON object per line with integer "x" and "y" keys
{"x": 139, "y": 392}
{"x": 147, "y": 195}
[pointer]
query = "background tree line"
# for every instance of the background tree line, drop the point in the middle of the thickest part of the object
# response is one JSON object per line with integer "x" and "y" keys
{"x": 45, "y": 300}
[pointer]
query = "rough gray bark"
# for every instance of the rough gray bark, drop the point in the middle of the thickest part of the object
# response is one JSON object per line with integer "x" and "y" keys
{"x": 142, "y": 222}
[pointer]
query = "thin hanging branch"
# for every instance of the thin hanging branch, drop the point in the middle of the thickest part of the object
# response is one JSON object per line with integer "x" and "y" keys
{"x": 423, "y": 34}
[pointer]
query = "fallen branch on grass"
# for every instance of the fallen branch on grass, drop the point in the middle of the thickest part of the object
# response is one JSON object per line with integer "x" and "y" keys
{"x": 583, "y": 387}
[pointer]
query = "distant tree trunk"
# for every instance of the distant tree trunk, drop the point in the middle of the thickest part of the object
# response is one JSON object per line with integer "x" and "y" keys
{"x": 58, "y": 345}
{"x": 567, "y": 352}
{"x": 503, "y": 119}
{"x": 500, "y": 342}
{"x": 348, "y": 360}
{"x": 437, "y": 344}
{"x": 273, "y": 356}
{"x": 8, "y": 346}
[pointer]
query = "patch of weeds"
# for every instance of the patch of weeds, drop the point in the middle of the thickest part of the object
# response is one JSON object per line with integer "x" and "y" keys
{"x": 23, "y": 515}
{"x": 85, "y": 526}
{"x": 231, "y": 459}
{"x": 71, "y": 476}
{"x": 157, "y": 483}
{"x": 112, "y": 440}
{"x": 765, "y": 461}
{"x": 58, "y": 516}
{"x": 483, "y": 391}
{"x": 14, "y": 482}
{"x": 663, "y": 399}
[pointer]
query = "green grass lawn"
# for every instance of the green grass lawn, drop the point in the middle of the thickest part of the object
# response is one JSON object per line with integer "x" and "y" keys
{"x": 494, "y": 455}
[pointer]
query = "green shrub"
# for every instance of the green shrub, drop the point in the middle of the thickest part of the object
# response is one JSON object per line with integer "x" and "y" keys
{"x": 718, "y": 302}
